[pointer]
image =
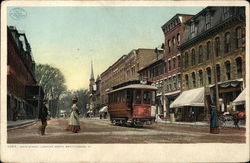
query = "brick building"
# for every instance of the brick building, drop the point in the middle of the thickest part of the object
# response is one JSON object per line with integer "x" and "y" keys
{"x": 213, "y": 51}
{"x": 23, "y": 95}
{"x": 124, "y": 69}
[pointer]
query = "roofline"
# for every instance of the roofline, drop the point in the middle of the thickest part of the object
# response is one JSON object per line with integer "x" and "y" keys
{"x": 178, "y": 14}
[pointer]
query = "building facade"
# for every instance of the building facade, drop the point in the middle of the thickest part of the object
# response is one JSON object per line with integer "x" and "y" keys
{"x": 123, "y": 70}
{"x": 213, "y": 51}
{"x": 23, "y": 95}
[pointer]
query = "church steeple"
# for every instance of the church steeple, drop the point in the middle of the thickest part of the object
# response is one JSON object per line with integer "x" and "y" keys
{"x": 92, "y": 72}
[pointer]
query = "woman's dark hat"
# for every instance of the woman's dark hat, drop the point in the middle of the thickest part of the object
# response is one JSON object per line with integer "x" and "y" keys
{"x": 75, "y": 99}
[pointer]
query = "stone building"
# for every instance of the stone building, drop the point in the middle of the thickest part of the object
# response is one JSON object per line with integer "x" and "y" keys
{"x": 123, "y": 70}
{"x": 23, "y": 95}
{"x": 213, "y": 51}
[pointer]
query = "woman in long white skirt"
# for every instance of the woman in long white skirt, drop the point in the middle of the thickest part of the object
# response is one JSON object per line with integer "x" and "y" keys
{"x": 74, "y": 122}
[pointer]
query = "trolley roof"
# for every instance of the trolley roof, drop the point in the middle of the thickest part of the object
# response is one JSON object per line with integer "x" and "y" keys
{"x": 135, "y": 86}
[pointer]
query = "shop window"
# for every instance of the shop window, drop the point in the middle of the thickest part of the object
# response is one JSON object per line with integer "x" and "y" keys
{"x": 218, "y": 73}
{"x": 187, "y": 81}
{"x": 209, "y": 77}
{"x": 217, "y": 46}
{"x": 227, "y": 43}
{"x": 186, "y": 60}
{"x": 238, "y": 37}
{"x": 193, "y": 79}
{"x": 208, "y": 50}
{"x": 193, "y": 57}
{"x": 200, "y": 54}
{"x": 228, "y": 70}
{"x": 201, "y": 77}
{"x": 239, "y": 67}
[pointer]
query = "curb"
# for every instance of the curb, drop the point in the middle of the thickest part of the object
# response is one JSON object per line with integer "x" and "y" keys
{"x": 12, "y": 127}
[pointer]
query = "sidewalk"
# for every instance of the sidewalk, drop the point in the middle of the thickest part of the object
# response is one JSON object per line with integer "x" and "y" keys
{"x": 227, "y": 124}
{"x": 20, "y": 123}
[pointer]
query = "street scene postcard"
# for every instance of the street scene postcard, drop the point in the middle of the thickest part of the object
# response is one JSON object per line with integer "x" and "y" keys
{"x": 131, "y": 81}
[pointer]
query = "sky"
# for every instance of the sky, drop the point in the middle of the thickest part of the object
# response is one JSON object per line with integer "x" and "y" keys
{"x": 70, "y": 37}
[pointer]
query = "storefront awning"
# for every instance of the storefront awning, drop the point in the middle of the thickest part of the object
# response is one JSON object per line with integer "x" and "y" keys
{"x": 240, "y": 100}
{"x": 103, "y": 109}
{"x": 194, "y": 97}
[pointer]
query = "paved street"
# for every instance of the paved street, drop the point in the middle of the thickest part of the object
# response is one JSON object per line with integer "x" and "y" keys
{"x": 101, "y": 131}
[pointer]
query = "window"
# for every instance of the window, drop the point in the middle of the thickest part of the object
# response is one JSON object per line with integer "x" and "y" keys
{"x": 179, "y": 60}
{"x": 179, "y": 81}
{"x": 192, "y": 30}
{"x": 201, "y": 77}
{"x": 208, "y": 50}
{"x": 218, "y": 73}
{"x": 226, "y": 12}
{"x": 169, "y": 46}
{"x": 186, "y": 60}
{"x": 138, "y": 97}
{"x": 193, "y": 79}
{"x": 239, "y": 67}
{"x": 169, "y": 65}
{"x": 193, "y": 57}
{"x": 178, "y": 39}
{"x": 209, "y": 79}
{"x": 208, "y": 20}
{"x": 228, "y": 70}
{"x": 174, "y": 63}
{"x": 227, "y": 43}
{"x": 173, "y": 41}
{"x": 187, "y": 81}
{"x": 146, "y": 97}
{"x": 200, "y": 54}
{"x": 217, "y": 46}
{"x": 174, "y": 82}
{"x": 238, "y": 37}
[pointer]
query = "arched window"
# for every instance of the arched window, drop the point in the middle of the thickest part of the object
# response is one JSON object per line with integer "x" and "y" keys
{"x": 209, "y": 79}
{"x": 217, "y": 46}
{"x": 174, "y": 63}
{"x": 218, "y": 73}
{"x": 173, "y": 41}
{"x": 200, "y": 54}
{"x": 227, "y": 43}
{"x": 201, "y": 77}
{"x": 186, "y": 60}
{"x": 239, "y": 67}
{"x": 193, "y": 57}
{"x": 169, "y": 46}
{"x": 187, "y": 81}
{"x": 208, "y": 50}
{"x": 193, "y": 79}
{"x": 169, "y": 65}
{"x": 228, "y": 70}
{"x": 238, "y": 37}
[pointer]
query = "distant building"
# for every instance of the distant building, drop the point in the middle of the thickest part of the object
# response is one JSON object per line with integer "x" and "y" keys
{"x": 23, "y": 95}
{"x": 213, "y": 50}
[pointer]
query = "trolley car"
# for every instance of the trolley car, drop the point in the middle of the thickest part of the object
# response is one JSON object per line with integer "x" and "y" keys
{"x": 132, "y": 104}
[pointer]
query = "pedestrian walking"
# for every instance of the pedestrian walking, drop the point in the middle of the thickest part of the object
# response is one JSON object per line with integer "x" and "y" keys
{"x": 43, "y": 116}
{"x": 74, "y": 123}
{"x": 214, "y": 122}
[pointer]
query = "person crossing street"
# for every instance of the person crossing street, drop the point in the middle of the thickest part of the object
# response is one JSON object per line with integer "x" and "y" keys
{"x": 43, "y": 117}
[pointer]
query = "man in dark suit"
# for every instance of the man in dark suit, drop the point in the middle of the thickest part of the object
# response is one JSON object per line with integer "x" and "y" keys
{"x": 43, "y": 116}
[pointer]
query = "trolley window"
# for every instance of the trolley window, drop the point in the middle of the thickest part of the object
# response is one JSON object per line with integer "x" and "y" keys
{"x": 146, "y": 97}
{"x": 153, "y": 97}
{"x": 129, "y": 96}
{"x": 138, "y": 96}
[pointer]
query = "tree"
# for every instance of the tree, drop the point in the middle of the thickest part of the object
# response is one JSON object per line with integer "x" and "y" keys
{"x": 53, "y": 83}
